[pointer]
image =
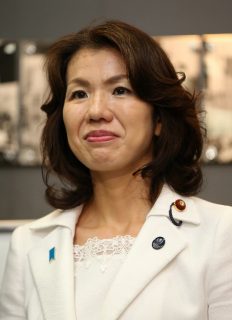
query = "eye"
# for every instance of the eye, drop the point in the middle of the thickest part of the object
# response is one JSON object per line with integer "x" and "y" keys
{"x": 79, "y": 94}
{"x": 119, "y": 91}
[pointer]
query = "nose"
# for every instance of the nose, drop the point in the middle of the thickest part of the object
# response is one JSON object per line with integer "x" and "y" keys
{"x": 99, "y": 108}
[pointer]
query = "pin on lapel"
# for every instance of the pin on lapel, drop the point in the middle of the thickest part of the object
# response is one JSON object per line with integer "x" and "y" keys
{"x": 180, "y": 206}
{"x": 52, "y": 254}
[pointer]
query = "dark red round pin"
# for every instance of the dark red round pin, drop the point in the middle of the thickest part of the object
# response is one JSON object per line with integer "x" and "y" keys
{"x": 180, "y": 204}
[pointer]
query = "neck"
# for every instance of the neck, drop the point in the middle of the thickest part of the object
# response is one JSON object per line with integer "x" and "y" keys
{"x": 119, "y": 201}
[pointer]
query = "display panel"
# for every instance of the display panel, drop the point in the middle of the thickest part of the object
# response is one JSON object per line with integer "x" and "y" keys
{"x": 207, "y": 62}
{"x": 33, "y": 91}
{"x": 9, "y": 102}
{"x": 23, "y": 88}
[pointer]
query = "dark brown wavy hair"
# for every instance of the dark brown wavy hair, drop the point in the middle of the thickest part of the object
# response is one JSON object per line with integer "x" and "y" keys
{"x": 176, "y": 151}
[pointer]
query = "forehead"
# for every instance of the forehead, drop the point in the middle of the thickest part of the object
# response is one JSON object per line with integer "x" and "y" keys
{"x": 101, "y": 61}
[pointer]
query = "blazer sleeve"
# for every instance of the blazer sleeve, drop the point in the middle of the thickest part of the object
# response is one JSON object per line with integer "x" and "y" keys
{"x": 12, "y": 290}
{"x": 220, "y": 270}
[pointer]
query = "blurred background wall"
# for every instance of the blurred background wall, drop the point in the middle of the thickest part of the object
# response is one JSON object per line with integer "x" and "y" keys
{"x": 21, "y": 189}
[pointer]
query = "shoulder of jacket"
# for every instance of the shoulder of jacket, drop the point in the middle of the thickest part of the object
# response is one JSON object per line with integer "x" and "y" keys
{"x": 41, "y": 227}
{"x": 23, "y": 233}
{"x": 206, "y": 205}
{"x": 213, "y": 211}
{"x": 24, "y": 228}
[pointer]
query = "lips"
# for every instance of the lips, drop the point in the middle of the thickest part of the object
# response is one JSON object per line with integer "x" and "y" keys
{"x": 100, "y": 136}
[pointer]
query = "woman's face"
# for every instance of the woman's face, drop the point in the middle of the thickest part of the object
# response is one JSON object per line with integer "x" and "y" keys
{"x": 108, "y": 127}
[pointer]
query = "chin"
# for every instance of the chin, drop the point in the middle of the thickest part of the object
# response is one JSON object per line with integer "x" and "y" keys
{"x": 103, "y": 167}
{"x": 110, "y": 168}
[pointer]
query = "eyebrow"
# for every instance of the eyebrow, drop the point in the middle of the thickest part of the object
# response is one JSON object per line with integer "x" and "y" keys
{"x": 111, "y": 80}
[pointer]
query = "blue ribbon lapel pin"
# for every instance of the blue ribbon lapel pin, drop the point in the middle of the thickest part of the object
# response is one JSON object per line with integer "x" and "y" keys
{"x": 52, "y": 254}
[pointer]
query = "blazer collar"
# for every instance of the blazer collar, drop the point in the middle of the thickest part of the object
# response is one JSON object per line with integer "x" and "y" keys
{"x": 166, "y": 198}
{"x": 59, "y": 218}
{"x": 69, "y": 218}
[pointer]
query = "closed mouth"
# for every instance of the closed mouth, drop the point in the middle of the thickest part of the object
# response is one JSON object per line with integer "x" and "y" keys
{"x": 100, "y": 136}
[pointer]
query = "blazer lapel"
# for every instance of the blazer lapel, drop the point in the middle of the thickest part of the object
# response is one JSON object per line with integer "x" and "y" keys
{"x": 143, "y": 262}
{"x": 54, "y": 279}
{"x": 52, "y": 265}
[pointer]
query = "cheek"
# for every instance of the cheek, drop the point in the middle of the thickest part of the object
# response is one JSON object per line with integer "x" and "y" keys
{"x": 71, "y": 122}
{"x": 71, "y": 133}
{"x": 66, "y": 117}
{"x": 145, "y": 124}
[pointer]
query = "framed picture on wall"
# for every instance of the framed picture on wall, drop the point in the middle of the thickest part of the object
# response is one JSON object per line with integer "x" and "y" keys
{"x": 33, "y": 91}
{"x": 207, "y": 62}
{"x": 218, "y": 96}
{"x": 23, "y": 89}
{"x": 9, "y": 101}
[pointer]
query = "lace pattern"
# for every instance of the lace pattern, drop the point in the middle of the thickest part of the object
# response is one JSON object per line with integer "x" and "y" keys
{"x": 102, "y": 251}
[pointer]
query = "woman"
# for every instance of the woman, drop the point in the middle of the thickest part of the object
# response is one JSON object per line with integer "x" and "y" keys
{"x": 130, "y": 240}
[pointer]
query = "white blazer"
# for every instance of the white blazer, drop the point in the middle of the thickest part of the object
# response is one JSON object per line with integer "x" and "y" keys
{"x": 188, "y": 278}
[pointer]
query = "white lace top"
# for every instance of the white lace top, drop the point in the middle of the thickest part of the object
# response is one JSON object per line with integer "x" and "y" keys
{"x": 96, "y": 264}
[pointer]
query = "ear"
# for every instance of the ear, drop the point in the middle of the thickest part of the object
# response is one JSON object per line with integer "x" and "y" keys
{"x": 158, "y": 128}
